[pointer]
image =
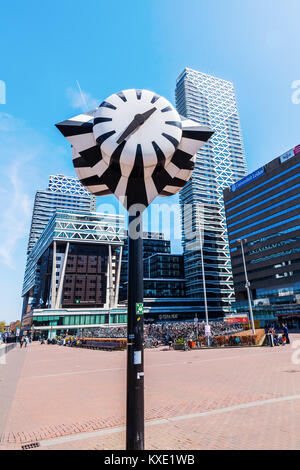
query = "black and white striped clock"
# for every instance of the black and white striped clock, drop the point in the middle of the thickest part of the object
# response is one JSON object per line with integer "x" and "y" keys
{"x": 134, "y": 145}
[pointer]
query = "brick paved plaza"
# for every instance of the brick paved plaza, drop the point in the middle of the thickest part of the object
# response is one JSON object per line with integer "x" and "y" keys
{"x": 67, "y": 398}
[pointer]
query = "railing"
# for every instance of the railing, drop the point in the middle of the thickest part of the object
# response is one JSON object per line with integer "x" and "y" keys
{"x": 5, "y": 348}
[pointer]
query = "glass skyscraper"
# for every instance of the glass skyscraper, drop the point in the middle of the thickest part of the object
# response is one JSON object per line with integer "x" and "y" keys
{"x": 220, "y": 163}
{"x": 64, "y": 192}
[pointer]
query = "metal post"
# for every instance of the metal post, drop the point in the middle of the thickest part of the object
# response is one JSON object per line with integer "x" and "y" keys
{"x": 110, "y": 278}
{"x": 53, "y": 277}
{"x": 135, "y": 337}
{"x": 107, "y": 297}
{"x": 62, "y": 278}
{"x": 204, "y": 284}
{"x": 247, "y": 285}
{"x": 197, "y": 329}
{"x": 118, "y": 278}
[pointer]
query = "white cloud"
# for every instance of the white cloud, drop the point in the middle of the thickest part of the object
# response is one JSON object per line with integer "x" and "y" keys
{"x": 17, "y": 213}
{"x": 8, "y": 123}
{"x": 27, "y": 158}
{"x": 82, "y": 100}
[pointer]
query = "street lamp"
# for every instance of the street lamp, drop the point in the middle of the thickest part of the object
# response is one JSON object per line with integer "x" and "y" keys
{"x": 247, "y": 285}
{"x": 135, "y": 146}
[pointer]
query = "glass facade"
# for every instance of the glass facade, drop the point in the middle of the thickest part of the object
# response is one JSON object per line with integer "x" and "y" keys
{"x": 163, "y": 288}
{"x": 164, "y": 265}
{"x": 265, "y": 214}
{"x": 220, "y": 163}
{"x": 153, "y": 243}
{"x": 69, "y": 320}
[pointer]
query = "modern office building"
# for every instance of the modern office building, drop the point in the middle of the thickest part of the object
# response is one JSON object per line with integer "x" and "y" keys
{"x": 220, "y": 163}
{"x": 263, "y": 212}
{"x": 164, "y": 276}
{"x": 63, "y": 192}
{"x": 73, "y": 273}
{"x": 76, "y": 262}
{"x": 153, "y": 243}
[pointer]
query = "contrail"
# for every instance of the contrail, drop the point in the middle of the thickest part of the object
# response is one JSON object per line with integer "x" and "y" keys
{"x": 85, "y": 106}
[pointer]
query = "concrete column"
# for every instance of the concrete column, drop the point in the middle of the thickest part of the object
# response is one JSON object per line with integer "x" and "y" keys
{"x": 62, "y": 278}
{"x": 53, "y": 277}
{"x": 118, "y": 278}
{"x": 106, "y": 305}
{"x": 111, "y": 287}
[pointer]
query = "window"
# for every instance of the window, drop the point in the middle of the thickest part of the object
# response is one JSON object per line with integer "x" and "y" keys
{"x": 262, "y": 202}
{"x": 255, "y": 214}
{"x": 269, "y": 218}
{"x": 263, "y": 184}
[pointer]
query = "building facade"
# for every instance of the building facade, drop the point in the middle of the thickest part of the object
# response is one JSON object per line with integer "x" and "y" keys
{"x": 153, "y": 243}
{"x": 164, "y": 276}
{"x": 221, "y": 162}
{"x": 263, "y": 212}
{"x": 63, "y": 192}
{"x": 75, "y": 263}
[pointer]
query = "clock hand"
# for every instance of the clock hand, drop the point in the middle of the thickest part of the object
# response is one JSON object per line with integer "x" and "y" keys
{"x": 137, "y": 121}
{"x": 147, "y": 114}
{"x": 132, "y": 126}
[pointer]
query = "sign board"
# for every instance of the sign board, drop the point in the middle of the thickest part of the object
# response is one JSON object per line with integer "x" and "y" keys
{"x": 139, "y": 309}
{"x": 289, "y": 154}
{"x": 207, "y": 330}
{"x": 260, "y": 302}
{"x": 236, "y": 319}
{"x": 17, "y": 331}
{"x": 247, "y": 179}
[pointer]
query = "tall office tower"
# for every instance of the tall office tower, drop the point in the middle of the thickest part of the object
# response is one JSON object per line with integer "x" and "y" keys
{"x": 64, "y": 192}
{"x": 221, "y": 162}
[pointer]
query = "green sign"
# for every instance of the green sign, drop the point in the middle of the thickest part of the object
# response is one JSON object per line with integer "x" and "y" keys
{"x": 139, "y": 309}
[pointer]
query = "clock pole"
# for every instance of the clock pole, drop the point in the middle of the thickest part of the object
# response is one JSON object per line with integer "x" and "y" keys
{"x": 99, "y": 137}
{"x": 135, "y": 336}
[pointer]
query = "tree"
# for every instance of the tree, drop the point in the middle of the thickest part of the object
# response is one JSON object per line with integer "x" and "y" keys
{"x": 2, "y": 325}
{"x": 14, "y": 325}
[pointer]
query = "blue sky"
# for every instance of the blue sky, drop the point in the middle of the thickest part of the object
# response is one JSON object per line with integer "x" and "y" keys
{"x": 108, "y": 46}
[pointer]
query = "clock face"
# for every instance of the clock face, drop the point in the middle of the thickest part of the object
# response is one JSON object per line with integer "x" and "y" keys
{"x": 135, "y": 146}
{"x": 137, "y": 127}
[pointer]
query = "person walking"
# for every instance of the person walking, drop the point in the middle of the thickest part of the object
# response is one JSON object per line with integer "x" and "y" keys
{"x": 26, "y": 340}
{"x": 270, "y": 337}
{"x": 286, "y": 333}
{"x": 21, "y": 341}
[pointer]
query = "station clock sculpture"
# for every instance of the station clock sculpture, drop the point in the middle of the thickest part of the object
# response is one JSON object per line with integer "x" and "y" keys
{"x": 136, "y": 146}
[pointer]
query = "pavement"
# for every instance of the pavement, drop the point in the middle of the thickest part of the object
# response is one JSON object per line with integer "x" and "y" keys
{"x": 233, "y": 398}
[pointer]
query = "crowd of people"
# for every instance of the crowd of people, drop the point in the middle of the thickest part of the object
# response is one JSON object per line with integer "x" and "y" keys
{"x": 66, "y": 340}
{"x": 277, "y": 338}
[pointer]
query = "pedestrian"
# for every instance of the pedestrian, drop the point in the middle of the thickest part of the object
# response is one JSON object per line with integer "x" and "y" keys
{"x": 21, "y": 341}
{"x": 270, "y": 336}
{"x": 286, "y": 333}
{"x": 26, "y": 340}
